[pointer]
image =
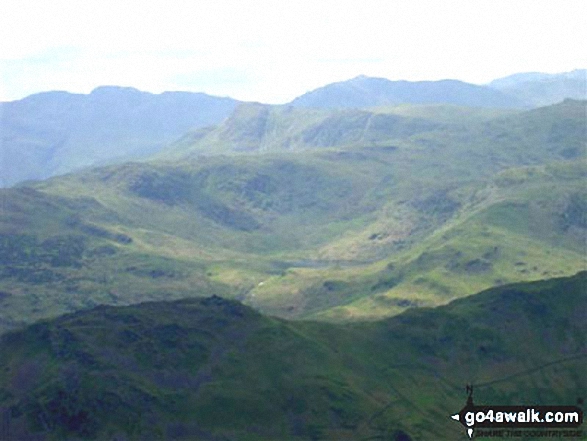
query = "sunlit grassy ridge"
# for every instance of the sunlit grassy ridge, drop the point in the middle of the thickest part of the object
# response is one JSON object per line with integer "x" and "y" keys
{"x": 378, "y": 211}
{"x": 215, "y": 369}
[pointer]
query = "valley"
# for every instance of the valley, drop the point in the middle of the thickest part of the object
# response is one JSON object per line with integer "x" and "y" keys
{"x": 330, "y": 214}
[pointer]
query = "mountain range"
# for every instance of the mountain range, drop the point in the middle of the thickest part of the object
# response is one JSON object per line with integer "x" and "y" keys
{"x": 518, "y": 91}
{"x": 53, "y": 133}
{"x": 180, "y": 266}
{"x": 367, "y": 92}
{"x": 539, "y": 89}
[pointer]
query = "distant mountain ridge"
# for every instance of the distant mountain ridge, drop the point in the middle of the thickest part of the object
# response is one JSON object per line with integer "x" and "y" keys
{"x": 367, "y": 92}
{"x": 53, "y": 133}
{"x": 522, "y": 90}
{"x": 512, "y": 80}
{"x": 539, "y": 89}
{"x": 255, "y": 127}
{"x": 262, "y": 128}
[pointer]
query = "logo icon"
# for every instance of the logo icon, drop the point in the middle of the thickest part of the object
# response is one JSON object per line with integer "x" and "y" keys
{"x": 516, "y": 417}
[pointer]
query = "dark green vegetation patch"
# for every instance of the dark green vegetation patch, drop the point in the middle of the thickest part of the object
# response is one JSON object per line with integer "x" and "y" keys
{"x": 214, "y": 369}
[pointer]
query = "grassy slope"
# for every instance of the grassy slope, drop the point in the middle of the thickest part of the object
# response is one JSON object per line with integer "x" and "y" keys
{"x": 214, "y": 369}
{"x": 260, "y": 128}
{"x": 373, "y": 227}
{"x": 531, "y": 226}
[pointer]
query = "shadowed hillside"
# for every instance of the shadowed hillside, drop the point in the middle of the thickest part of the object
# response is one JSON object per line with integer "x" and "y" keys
{"x": 214, "y": 369}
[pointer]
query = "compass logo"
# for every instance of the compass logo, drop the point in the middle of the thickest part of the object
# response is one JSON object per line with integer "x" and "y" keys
{"x": 512, "y": 418}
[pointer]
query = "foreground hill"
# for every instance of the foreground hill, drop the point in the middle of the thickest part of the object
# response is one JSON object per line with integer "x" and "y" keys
{"x": 214, "y": 369}
{"x": 57, "y": 132}
{"x": 351, "y": 230}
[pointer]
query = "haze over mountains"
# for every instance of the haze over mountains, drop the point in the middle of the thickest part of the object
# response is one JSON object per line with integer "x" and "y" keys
{"x": 515, "y": 91}
{"x": 366, "y": 92}
{"x": 539, "y": 89}
{"x": 53, "y": 133}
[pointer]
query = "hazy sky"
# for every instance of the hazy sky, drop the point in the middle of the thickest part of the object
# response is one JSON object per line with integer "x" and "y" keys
{"x": 272, "y": 51}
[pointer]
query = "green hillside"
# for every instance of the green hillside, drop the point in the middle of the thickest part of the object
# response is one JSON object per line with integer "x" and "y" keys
{"x": 213, "y": 369}
{"x": 341, "y": 229}
{"x": 262, "y": 128}
{"x": 255, "y": 127}
{"x": 475, "y": 141}
{"x": 527, "y": 223}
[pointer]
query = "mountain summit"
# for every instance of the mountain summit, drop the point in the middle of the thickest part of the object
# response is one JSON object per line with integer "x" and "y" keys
{"x": 522, "y": 90}
{"x": 365, "y": 91}
{"x": 539, "y": 89}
